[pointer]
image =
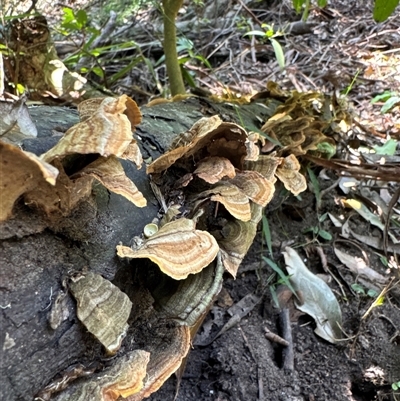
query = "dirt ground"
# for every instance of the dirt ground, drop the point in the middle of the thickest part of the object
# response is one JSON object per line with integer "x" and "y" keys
{"x": 242, "y": 364}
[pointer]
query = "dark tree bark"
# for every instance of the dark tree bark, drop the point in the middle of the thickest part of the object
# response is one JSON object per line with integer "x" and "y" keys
{"x": 36, "y": 254}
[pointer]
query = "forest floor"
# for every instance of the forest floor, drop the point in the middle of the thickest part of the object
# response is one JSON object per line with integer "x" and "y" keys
{"x": 344, "y": 54}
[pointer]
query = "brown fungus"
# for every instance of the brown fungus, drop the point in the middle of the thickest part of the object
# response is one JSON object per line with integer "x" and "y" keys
{"x": 177, "y": 248}
{"x": 21, "y": 172}
{"x": 103, "y": 308}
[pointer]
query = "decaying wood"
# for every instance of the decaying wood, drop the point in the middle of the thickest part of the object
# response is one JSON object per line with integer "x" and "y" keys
{"x": 41, "y": 335}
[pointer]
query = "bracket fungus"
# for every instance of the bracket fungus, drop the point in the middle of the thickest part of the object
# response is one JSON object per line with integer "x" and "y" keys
{"x": 213, "y": 169}
{"x": 21, "y": 172}
{"x": 193, "y": 295}
{"x": 123, "y": 379}
{"x": 105, "y": 129}
{"x": 207, "y": 137}
{"x": 177, "y": 248}
{"x": 288, "y": 173}
{"x": 103, "y": 308}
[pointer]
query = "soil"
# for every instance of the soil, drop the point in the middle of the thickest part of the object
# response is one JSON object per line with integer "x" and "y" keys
{"x": 242, "y": 364}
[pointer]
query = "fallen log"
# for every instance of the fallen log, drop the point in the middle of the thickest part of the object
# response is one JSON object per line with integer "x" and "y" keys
{"x": 56, "y": 251}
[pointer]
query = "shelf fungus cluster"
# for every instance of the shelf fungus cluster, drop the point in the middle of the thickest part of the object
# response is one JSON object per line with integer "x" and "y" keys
{"x": 214, "y": 172}
{"x": 53, "y": 183}
{"x": 212, "y": 186}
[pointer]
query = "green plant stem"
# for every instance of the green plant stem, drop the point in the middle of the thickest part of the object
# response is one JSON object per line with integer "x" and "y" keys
{"x": 171, "y": 8}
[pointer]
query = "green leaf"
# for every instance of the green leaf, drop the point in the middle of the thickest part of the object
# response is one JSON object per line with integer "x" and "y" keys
{"x": 383, "y": 8}
{"x": 204, "y": 61}
{"x": 20, "y": 89}
{"x": 396, "y": 386}
{"x": 187, "y": 77}
{"x": 98, "y": 71}
{"x": 372, "y": 293}
{"x": 297, "y": 4}
{"x": 68, "y": 15}
{"x": 393, "y": 101}
{"x": 313, "y": 230}
{"x": 383, "y": 96}
{"x": 388, "y": 149}
{"x": 322, "y": 218}
{"x": 125, "y": 70}
{"x": 322, "y": 3}
{"x": 81, "y": 17}
{"x": 274, "y": 295}
{"x": 358, "y": 288}
{"x": 315, "y": 184}
{"x": 278, "y": 53}
{"x": 327, "y": 149}
{"x": 267, "y": 234}
{"x": 281, "y": 274}
{"x": 325, "y": 235}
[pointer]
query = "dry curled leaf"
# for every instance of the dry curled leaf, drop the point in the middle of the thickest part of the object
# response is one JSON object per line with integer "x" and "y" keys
{"x": 212, "y": 169}
{"x": 177, "y": 248}
{"x": 111, "y": 174}
{"x": 358, "y": 267}
{"x": 103, "y": 308}
{"x": 123, "y": 379}
{"x": 288, "y": 173}
{"x": 318, "y": 299}
{"x": 108, "y": 131}
{"x": 21, "y": 172}
{"x": 16, "y": 122}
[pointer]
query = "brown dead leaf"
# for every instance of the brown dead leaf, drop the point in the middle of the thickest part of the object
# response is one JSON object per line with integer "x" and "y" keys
{"x": 177, "y": 248}
{"x": 358, "y": 267}
{"x": 288, "y": 173}
{"x": 212, "y": 169}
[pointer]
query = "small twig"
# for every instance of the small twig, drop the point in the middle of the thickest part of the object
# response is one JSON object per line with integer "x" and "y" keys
{"x": 287, "y": 352}
{"x": 250, "y": 12}
{"x": 249, "y": 347}
{"x": 373, "y": 305}
{"x": 392, "y": 202}
{"x": 275, "y": 338}
{"x": 326, "y": 190}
